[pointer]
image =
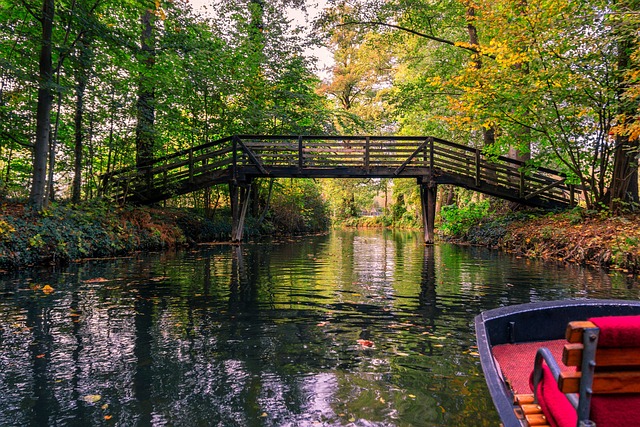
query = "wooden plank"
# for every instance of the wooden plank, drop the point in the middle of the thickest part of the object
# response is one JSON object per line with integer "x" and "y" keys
{"x": 537, "y": 420}
{"x": 605, "y": 357}
{"x": 531, "y": 408}
{"x": 603, "y": 382}
{"x": 575, "y": 329}
{"x": 524, "y": 399}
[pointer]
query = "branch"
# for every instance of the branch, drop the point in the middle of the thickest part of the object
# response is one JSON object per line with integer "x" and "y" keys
{"x": 31, "y": 12}
{"x": 16, "y": 140}
{"x": 415, "y": 33}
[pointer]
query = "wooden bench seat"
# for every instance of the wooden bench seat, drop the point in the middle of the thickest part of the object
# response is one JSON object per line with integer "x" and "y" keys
{"x": 605, "y": 387}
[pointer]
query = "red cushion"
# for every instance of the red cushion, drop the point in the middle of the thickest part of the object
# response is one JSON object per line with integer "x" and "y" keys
{"x": 615, "y": 410}
{"x": 618, "y": 331}
{"x": 555, "y": 405}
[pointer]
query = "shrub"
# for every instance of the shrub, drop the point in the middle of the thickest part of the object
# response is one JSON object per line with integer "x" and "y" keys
{"x": 457, "y": 221}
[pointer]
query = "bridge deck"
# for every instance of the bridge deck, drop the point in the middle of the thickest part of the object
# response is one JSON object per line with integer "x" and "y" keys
{"x": 241, "y": 158}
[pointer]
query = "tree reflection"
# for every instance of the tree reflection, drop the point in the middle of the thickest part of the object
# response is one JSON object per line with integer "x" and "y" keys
{"x": 266, "y": 334}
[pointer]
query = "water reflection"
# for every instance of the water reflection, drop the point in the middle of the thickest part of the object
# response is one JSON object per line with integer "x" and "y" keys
{"x": 267, "y": 334}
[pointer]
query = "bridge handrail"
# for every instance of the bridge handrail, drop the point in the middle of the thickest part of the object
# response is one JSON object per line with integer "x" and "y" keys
{"x": 245, "y": 150}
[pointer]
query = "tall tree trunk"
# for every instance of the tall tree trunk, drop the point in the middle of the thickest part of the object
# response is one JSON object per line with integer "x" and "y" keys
{"x": 488, "y": 134}
{"x": 145, "y": 133}
{"x": 50, "y": 195}
{"x": 43, "y": 113}
{"x": 81, "y": 85}
{"x": 624, "y": 181}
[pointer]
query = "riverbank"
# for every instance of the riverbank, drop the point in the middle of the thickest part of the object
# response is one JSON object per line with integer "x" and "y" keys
{"x": 97, "y": 229}
{"x": 573, "y": 236}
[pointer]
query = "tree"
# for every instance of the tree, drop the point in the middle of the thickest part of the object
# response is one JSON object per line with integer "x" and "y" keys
{"x": 45, "y": 98}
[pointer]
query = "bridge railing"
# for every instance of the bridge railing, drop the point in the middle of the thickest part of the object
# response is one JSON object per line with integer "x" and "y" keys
{"x": 168, "y": 173}
{"x": 400, "y": 156}
{"x": 408, "y": 156}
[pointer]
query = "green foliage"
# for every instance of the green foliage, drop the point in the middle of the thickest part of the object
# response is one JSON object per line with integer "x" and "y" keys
{"x": 95, "y": 229}
{"x": 457, "y": 221}
{"x": 297, "y": 207}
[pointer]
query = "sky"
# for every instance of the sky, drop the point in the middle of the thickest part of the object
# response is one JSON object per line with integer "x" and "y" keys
{"x": 314, "y": 7}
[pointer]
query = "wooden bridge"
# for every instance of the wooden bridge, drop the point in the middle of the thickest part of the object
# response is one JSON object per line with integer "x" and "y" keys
{"x": 431, "y": 161}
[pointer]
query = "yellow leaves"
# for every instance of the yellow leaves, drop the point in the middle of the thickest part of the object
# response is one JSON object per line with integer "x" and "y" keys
{"x": 465, "y": 45}
{"x": 160, "y": 11}
{"x": 47, "y": 289}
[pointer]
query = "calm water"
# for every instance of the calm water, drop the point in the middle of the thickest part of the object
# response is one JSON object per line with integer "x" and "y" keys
{"x": 351, "y": 329}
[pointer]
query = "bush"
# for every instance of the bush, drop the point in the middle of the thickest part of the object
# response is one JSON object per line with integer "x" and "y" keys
{"x": 457, "y": 221}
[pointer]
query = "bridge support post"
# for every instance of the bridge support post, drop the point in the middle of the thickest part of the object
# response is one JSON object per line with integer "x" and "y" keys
{"x": 428, "y": 193}
{"x": 239, "y": 196}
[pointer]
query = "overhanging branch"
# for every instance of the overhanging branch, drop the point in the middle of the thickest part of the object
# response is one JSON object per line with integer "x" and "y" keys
{"x": 416, "y": 33}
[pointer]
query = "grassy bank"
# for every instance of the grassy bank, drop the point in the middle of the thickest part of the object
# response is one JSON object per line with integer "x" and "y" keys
{"x": 67, "y": 232}
{"x": 573, "y": 236}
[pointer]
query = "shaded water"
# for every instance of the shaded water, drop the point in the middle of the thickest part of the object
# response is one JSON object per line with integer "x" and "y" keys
{"x": 267, "y": 334}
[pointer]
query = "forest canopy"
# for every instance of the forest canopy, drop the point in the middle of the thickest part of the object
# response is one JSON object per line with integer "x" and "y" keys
{"x": 91, "y": 86}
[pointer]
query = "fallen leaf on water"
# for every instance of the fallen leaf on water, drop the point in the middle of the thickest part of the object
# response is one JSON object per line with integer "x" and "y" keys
{"x": 108, "y": 417}
{"x": 365, "y": 343}
{"x": 40, "y": 356}
{"x": 322, "y": 324}
{"x": 413, "y": 396}
{"x": 92, "y": 398}
{"x": 264, "y": 414}
{"x": 47, "y": 289}
{"x": 95, "y": 280}
{"x": 105, "y": 406}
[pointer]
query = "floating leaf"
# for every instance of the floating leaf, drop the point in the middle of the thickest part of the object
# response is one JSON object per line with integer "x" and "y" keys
{"x": 47, "y": 289}
{"x": 92, "y": 398}
{"x": 366, "y": 343}
{"x": 413, "y": 396}
{"x": 96, "y": 280}
{"x": 40, "y": 356}
{"x": 108, "y": 417}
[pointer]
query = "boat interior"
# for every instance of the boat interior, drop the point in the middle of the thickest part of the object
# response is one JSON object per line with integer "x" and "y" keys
{"x": 589, "y": 378}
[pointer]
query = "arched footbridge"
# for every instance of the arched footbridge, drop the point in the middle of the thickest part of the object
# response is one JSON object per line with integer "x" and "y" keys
{"x": 237, "y": 160}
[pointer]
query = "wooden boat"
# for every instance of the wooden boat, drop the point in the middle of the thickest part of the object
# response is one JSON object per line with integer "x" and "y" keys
{"x": 509, "y": 339}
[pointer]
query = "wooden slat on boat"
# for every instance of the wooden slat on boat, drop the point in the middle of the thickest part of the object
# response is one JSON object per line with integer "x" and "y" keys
{"x": 575, "y": 330}
{"x": 531, "y": 411}
{"x": 603, "y": 382}
{"x": 614, "y": 356}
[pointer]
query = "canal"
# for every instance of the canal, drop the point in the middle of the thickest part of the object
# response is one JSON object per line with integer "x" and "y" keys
{"x": 367, "y": 328}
